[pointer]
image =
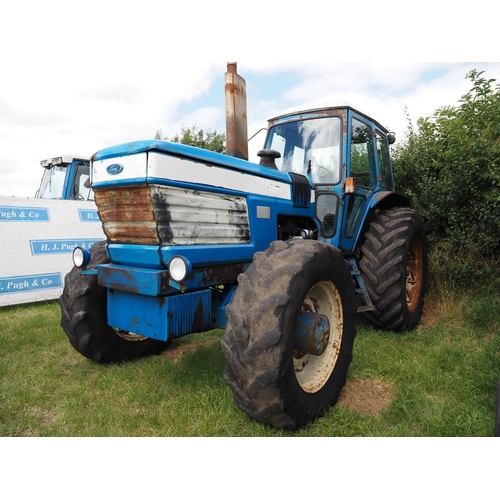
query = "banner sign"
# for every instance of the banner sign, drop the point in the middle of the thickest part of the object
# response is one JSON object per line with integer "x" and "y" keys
{"x": 38, "y": 238}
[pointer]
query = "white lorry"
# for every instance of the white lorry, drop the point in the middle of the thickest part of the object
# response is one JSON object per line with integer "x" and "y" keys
{"x": 39, "y": 233}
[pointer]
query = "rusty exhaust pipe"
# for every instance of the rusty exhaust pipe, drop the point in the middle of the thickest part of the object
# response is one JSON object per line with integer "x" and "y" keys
{"x": 236, "y": 113}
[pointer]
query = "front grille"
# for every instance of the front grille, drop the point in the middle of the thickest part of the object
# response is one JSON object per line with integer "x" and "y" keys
{"x": 154, "y": 214}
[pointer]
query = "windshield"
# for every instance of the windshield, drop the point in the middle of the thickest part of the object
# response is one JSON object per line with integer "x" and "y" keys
{"x": 52, "y": 184}
{"x": 309, "y": 147}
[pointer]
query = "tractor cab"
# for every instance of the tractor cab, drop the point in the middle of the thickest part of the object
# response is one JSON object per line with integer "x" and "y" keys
{"x": 66, "y": 177}
{"x": 345, "y": 155}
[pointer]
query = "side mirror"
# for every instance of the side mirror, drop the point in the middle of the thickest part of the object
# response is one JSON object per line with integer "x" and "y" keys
{"x": 391, "y": 137}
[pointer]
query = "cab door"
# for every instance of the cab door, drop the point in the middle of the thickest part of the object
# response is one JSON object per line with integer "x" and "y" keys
{"x": 362, "y": 167}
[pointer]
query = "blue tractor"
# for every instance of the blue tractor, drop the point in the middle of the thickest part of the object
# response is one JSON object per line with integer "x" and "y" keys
{"x": 280, "y": 254}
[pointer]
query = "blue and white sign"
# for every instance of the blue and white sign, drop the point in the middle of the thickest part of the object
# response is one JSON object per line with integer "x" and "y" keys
{"x": 38, "y": 238}
{"x": 23, "y": 214}
{"x": 89, "y": 215}
{"x": 29, "y": 283}
{"x": 45, "y": 247}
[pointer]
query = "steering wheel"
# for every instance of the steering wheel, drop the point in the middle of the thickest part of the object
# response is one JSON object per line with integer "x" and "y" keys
{"x": 320, "y": 173}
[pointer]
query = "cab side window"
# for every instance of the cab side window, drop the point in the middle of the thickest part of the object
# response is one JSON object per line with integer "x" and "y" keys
{"x": 362, "y": 155}
{"x": 384, "y": 161}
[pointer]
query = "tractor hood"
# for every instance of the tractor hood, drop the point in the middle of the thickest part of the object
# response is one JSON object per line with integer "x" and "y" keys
{"x": 180, "y": 151}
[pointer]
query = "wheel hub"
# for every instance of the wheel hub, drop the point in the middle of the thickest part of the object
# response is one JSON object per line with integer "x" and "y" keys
{"x": 318, "y": 336}
{"x": 414, "y": 274}
{"x": 312, "y": 334}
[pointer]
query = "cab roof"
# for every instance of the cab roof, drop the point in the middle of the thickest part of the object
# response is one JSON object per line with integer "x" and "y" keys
{"x": 322, "y": 106}
{"x": 65, "y": 158}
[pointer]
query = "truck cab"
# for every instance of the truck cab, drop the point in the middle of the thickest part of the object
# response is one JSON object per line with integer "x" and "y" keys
{"x": 345, "y": 155}
{"x": 66, "y": 177}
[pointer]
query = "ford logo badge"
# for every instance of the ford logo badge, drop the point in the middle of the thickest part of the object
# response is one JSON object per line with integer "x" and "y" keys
{"x": 114, "y": 169}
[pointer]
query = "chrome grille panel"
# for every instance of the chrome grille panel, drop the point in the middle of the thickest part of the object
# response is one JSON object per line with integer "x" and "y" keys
{"x": 155, "y": 214}
{"x": 188, "y": 217}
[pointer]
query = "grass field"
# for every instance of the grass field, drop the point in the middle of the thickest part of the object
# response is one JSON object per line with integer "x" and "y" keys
{"x": 439, "y": 380}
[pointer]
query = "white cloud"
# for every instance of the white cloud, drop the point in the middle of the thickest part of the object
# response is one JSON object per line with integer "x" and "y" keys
{"x": 83, "y": 115}
{"x": 77, "y": 79}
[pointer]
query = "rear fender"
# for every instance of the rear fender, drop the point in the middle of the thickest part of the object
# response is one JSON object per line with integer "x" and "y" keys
{"x": 379, "y": 201}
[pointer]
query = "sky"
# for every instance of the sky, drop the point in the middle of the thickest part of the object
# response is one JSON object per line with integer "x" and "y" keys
{"x": 75, "y": 80}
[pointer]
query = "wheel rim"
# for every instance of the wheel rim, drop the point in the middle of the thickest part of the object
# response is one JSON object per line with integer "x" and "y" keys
{"x": 312, "y": 372}
{"x": 414, "y": 274}
{"x": 128, "y": 336}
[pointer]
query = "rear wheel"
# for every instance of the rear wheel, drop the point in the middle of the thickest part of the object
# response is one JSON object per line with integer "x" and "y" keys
{"x": 276, "y": 374}
{"x": 84, "y": 318}
{"x": 394, "y": 268}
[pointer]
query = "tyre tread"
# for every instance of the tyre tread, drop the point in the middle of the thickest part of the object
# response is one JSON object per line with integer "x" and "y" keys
{"x": 383, "y": 267}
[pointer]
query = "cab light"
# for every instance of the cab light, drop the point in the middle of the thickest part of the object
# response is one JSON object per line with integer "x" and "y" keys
{"x": 350, "y": 185}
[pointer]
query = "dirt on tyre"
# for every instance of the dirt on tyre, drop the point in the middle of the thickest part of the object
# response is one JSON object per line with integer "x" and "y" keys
{"x": 271, "y": 379}
{"x": 83, "y": 306}
{"x": 393, "y": 265}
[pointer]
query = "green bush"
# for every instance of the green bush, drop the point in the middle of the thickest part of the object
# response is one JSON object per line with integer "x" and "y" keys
{"x": 194, "y": 136}
{"x": 450, "y": 167}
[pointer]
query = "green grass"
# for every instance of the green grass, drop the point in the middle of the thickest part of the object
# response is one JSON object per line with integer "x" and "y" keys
{"x": 439, "y": 380}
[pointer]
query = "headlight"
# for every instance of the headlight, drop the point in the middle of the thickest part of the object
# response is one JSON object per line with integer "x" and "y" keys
{"x": 81, "y": 257}
{"x": 179, "y": 268}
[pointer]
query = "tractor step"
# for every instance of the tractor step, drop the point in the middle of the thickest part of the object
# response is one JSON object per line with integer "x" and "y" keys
{"x": 366, "y": 303}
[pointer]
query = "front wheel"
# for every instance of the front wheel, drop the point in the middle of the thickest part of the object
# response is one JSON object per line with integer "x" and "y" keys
{"x": 84, "y": 318}
{"x": 274, "y": 378}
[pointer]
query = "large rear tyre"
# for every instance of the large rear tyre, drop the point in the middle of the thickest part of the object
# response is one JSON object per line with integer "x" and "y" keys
{"x": 394, "y": 268}
{"x": 84, "y": 318}
{"x": 272, "y": 381}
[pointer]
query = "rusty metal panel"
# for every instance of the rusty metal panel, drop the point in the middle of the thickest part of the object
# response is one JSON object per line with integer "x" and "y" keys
{"x": 132, "y": 280}
{"x": 188, "y": 217}
{"x": 154, "y": 215}
{"x": 127, "y": 215}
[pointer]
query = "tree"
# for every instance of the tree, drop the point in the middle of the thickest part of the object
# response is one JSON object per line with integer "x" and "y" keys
{"x": 209, "y": 139}
{"x": 450, "y": 167}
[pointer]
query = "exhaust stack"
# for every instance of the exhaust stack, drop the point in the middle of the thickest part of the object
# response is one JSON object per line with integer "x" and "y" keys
{"x": 236, "y": 113}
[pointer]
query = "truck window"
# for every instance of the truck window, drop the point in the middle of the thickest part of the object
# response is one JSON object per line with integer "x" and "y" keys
{"x": 309, "y": 147}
